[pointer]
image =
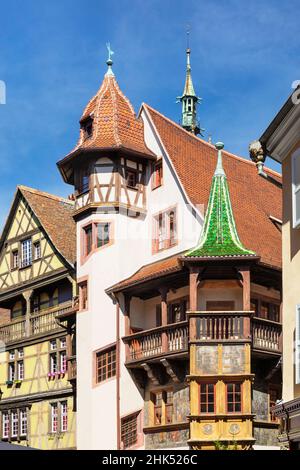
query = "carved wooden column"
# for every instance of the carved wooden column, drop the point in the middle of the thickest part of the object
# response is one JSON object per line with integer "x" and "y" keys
{"x": 27, "y": 296}
{"x": 194, "y": 280}
{"x": 164, "y": 317}
{"x": 245, "y": 273}
{"x": 127, "y": 299}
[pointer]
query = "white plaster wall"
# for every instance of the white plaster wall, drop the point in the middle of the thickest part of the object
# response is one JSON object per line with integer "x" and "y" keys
{"x": 96, "y": 328}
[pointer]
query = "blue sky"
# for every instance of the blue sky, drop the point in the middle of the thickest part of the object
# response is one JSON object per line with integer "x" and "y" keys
{"x": 245, "y": 56}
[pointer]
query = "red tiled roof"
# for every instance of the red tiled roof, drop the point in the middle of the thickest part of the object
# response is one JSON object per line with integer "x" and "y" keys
{"x": 115, "y": 124}
{"x": 151, "y": 271}
{"x": 254, "y": 199}
{"x": 56, "y": 216}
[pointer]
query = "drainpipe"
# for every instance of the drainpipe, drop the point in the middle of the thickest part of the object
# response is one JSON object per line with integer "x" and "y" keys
{"x": 118, "y": 374}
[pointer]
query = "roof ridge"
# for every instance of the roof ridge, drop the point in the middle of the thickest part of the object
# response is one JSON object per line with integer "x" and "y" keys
{"x": 45, "y": 194}
{"x": 202, "y": 141}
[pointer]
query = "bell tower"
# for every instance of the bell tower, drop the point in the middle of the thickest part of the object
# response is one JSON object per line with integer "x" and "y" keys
{"x": 189, "y": 101}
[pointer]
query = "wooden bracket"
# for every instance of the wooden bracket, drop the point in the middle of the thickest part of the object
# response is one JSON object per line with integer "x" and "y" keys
{"x": 173, "y": 370}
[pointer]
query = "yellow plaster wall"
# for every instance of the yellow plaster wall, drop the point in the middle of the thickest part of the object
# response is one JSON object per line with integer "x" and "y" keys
{"x": 291, "y": 283}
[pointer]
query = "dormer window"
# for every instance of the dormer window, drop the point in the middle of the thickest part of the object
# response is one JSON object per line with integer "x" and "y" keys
{"x": 87, "y": 127}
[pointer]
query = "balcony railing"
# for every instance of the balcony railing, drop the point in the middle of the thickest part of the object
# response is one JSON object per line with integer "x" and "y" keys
{"x": 266, "y": 335}
{"x": 157, "y": 341}
{"x": 220, "y": 326}
{"x": 37, "y": 324}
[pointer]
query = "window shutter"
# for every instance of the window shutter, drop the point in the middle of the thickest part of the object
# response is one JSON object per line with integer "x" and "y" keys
{"x": 297, "y": 345}
{"x": 296, "y": 188}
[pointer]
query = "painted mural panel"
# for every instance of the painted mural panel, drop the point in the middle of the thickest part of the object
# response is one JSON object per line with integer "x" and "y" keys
{"x": 260, "y": 405}
{"x": 207, "y": 359}
{"x": 233, "y": 359}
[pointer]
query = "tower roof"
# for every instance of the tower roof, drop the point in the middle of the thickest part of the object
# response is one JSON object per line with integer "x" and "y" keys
{"x": 113, "y": 122}
{"x": 219, "y": 237}
{"x": 188, "y": 87}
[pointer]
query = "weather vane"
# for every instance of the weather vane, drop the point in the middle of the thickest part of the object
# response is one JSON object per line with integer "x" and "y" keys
{"x": 110, "y": 53}
{"x": 188, "y": 30}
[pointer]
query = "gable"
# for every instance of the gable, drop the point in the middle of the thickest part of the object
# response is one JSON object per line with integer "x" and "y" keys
{"x": 22, "y": 224}
{"x": 253, "y": 199}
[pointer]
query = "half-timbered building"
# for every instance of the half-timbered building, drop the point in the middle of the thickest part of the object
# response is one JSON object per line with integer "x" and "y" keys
{"x": 37, "y": 322}
{"x": 175, "y": 347}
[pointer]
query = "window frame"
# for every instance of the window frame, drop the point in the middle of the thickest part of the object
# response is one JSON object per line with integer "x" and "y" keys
{"x": 234, "y": 383}
{"x": 157, "y": 179}
{"x": 167, "y": 241}
{"x": 104, "y": 352}
{"x": 137, "y": 416}
{"x": 94, "y": 238}
{"x": 26, "y": 262}
{"x": 134, "y": 173}
{"x": 37, "y": 250}
{"x": 83, "y": 285}
{"x": 163, "y": 407}
{"x": 207, "y": 403}
{"x": 55, "y": 355}
{"x": 295, "y": 188}
{"x": 14, "y": 265}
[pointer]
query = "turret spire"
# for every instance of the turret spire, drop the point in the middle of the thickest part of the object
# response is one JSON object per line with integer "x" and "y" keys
{"x": 219, "y": 237}
{"x": 189, "y": 99}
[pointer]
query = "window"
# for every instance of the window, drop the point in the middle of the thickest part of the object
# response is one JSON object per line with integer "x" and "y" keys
{"x": 87, "y": 126}
{"x": 296, "y": 188}
{"x": 83, "y": 295}
{"x": 26, "y": 253}
{"x": 59, "y": 417}
{"x": 20, "y": 370}
{"x": 158, "y": 400}
{"x": 64, "y": 416}
{"x": 58, "y": 356}
{"x": 14, "y": 424}
{"x": 88, "y": 239}
{"x": 102, "y": 234}
{"x": 11, "y": 371}
{"x": 157, "y": 175}
{"x": 16, "y": 364}
{"x": 165, "y": 231}
{"x": 207, "y": 398}
{"x": 53, "y": 363}
{"x": 54, "y": 417}
{"x": 23, "y": 422}
{"x": 162, "y": 407}
{"x": 234, "y": 398}
{"x": 169, "y": 406}
{"x": 129, "y": 430}
{"x": 17, "y": 310}
{"x": 5, "y": 425}
{"x": 15, "y": 259}
{"x": 105, "y": 364}
{"x": 96, "y": 235}
{"x": 177, "y": 311}
{"x": 37, "y": 250}
{"x": 131, "y": 178}
{"x": 297, "y": 345}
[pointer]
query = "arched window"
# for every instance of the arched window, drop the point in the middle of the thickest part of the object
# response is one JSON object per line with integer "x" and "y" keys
{"x": 296, "y": 188}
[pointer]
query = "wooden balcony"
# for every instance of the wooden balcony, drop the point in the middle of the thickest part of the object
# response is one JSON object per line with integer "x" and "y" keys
{"x": 72, "y": 368}
{"x": 40, "y": 323}
{"x": 150, "y": 344}
{"x": 266, "y": 335}
{"x": 209, "y": 326}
